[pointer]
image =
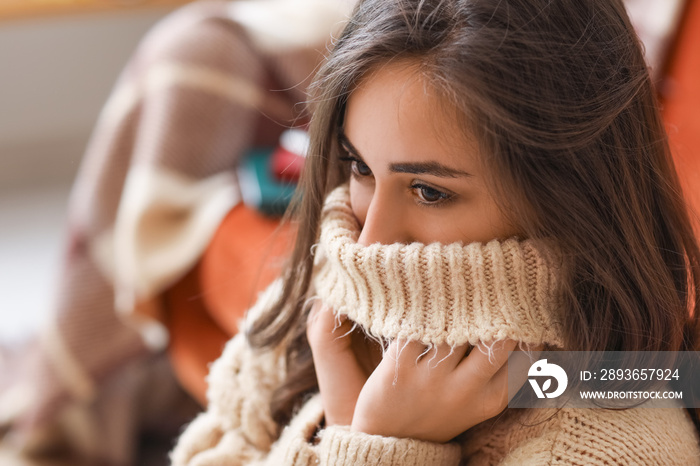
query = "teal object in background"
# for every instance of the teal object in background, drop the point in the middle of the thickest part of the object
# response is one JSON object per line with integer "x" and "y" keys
{"x": 259, "y": 188}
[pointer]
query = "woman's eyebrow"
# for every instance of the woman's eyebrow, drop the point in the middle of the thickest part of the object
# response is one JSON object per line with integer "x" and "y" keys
{"x": 416, "y": 168}
{"x": 428, "y": 168}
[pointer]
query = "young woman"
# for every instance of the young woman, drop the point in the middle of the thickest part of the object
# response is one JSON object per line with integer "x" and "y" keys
{"x": 481, "y": 174}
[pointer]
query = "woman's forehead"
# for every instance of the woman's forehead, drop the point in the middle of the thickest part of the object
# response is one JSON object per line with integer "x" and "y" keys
{"x": 394, "y": 109}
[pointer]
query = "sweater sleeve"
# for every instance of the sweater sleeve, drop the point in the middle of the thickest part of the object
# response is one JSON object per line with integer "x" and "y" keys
{"x": 341, "y": 447}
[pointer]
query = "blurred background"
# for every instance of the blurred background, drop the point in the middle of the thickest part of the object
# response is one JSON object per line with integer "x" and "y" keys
{"x": 58, "y": 62}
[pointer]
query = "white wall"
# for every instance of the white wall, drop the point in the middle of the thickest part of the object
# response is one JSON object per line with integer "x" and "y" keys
{"x": 55, "y": 75}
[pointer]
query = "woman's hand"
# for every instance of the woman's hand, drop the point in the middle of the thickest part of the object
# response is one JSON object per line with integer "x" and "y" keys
{"x": 340, "y": 375}
{"x": 434, "y": 395}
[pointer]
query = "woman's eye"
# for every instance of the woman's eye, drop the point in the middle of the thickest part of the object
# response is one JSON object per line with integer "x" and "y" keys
{"x": 360, "y": 168}
{"x": 429, "y": 195}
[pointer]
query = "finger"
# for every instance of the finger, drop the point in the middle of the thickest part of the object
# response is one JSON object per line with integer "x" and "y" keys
{"x": 327, "y": 330}
{"x": 443, "y": 357}
{"x": 492, "y": 372}
{"x": 317, "y": 310}
{"x": 411, "y": 358}
{"x": 401, "y": 359}
{"x": 339, "y": 375}
{"x": 405, "y": 351}
{"x": 324, "y": 316}
{"x": 486, "y": 359}
{"x": 510, "y": 377}
{"x": 514, "y": 373}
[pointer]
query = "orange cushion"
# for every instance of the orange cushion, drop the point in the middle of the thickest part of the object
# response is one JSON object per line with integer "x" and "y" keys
{"x": 205, "y": 307}
{"x": 195, "y": 339}
{"x": 681, "y": 100}
{"x": 244, "y": 257}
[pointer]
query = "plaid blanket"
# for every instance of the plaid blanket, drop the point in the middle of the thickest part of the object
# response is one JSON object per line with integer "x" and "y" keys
{"x": 207, "y": 83}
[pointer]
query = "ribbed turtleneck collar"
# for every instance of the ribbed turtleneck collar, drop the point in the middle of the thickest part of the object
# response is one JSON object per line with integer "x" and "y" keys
{"x": 436, "y": 293}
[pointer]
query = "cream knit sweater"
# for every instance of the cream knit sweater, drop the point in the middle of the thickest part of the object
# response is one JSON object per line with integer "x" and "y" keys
{"x": 435, "y": 294}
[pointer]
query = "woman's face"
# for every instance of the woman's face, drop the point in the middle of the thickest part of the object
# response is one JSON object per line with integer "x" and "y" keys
{"x": 414, "y": 177}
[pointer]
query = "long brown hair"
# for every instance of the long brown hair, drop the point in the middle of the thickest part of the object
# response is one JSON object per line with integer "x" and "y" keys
{"x": 560, "y": 99}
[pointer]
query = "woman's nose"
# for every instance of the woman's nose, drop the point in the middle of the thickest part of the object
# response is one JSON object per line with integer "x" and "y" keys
{"x": 383, "y": 222}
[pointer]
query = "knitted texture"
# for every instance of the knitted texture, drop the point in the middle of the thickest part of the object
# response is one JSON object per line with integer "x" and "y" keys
{"x": 437, "y": 293}
{"x": 340, "y": 446}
